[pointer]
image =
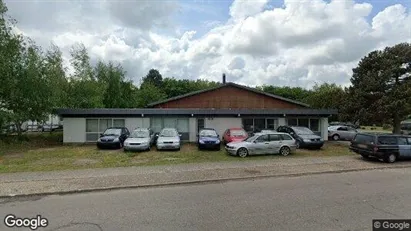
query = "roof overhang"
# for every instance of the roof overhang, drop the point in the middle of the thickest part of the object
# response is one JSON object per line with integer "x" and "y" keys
{"x": 144, "y": 112}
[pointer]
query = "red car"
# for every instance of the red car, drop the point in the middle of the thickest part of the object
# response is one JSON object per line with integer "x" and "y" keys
{"x": 234, "y": 135}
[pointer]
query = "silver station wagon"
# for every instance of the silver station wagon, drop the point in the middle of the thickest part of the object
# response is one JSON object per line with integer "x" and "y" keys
{"x": 263, "y": 143}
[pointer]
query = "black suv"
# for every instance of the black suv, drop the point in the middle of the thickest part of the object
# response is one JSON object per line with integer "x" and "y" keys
{"x": 113, "y": 137}
{"x": 304, "y": 137}
{"x": 382, "y": 146}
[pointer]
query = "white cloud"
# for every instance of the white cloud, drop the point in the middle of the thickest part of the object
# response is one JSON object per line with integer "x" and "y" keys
{"x": 301, "y": 43}
{"x": 241, "y": 9}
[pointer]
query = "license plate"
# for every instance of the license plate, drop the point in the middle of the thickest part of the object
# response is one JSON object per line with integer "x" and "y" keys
{"x": 362, "y": 146}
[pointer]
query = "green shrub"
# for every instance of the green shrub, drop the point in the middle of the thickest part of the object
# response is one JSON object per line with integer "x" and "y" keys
{"x": 386, "y": 126}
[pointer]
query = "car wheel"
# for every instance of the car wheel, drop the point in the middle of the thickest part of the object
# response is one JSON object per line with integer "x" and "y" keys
{"x": 365, "y": 156}
{"x": 285, "y": 151}
{"x": 336, "y": 137}
{"x": 390, "y": 158}
{"x": 297, "y": 144}
{"x": 120, "y": 145}
{"x": 242, "y": 152}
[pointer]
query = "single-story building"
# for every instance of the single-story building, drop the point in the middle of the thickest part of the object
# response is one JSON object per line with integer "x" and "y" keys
{"x": 225, "y": 106}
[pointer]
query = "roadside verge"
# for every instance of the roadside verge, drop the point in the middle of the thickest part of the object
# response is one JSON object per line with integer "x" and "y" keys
{"x": 89, "y": 180}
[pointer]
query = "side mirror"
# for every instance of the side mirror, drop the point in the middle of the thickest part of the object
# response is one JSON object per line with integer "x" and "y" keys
{"x": 156, "y": 135}
{"x": 218, "y": 136}
{"x": 255, "y": 141}
{"x": 179, "y": 134}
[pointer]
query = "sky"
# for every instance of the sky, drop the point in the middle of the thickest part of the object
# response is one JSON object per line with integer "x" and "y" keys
{"x": 255, "y": 42}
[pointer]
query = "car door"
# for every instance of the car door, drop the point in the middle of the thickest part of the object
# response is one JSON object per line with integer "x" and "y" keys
{"x": 261, "y": 145}
{"x": 404, "y": 146}
{"x": 351, "y": 133}
{"x": 342, "y": 132}
{"x": 275, "y": 143}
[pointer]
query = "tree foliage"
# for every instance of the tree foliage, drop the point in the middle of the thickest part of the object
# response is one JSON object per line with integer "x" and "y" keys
{"x": 381, "y": 86}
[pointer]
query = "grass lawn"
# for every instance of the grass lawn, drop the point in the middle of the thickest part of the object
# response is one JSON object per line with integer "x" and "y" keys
{"x": 48, "y": 156}
{"x": 374, "y": 129}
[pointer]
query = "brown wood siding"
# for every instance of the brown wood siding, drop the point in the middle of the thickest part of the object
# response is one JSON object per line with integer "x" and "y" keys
{"x": 228, "y": 97}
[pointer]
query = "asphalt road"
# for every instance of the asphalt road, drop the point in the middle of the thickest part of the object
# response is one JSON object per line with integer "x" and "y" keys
{"x": 345, "y": 201}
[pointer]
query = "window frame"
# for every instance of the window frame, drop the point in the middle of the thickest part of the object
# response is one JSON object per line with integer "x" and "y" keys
{"x": 98, "y": 133}
{"x": 309, "y": 122}
{"x": 263, "y": 135}
{"x": 265, "y": 127}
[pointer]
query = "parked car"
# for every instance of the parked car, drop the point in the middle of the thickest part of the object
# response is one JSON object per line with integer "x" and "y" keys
{"x": 348, "y": 124}
{"x": 234, "y": 135}
{"x": 267, "y": 131}
{"x": 304, "y": 137}
{"x": 208, "y": 139}
{"x": 49, "y": 127}
{"x": 140, "y": 139}
{"x": 113, "y": 137}
{"x": 406, "y": 127}
{"x": 168, "y": 138}
{"x": 341, "y": 132}
{"x": 263, "y": 143}
{"x": 387, "y": 147}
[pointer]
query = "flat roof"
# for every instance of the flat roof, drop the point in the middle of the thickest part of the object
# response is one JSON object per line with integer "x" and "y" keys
{"x": 141, "y": 112}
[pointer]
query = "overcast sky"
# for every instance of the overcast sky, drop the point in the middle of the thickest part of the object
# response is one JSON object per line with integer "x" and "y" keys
{"x": 290, "y": 42}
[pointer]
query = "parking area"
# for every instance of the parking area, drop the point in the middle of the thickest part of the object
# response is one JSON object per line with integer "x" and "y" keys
{"x": 56, "y": 156}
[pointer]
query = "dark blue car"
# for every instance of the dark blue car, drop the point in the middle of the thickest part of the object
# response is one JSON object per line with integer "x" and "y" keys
{"x": 208, "y": 139}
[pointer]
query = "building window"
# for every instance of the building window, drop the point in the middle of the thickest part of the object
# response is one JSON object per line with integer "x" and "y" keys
{"x": 258, "y": 124}
{"x": 312, "y": 124}
{"x": 94, "y": 127}
{"x": 181, "y": 124}
{"x": 292, "y": 122}
{"x": 118, "y": 123}
{"x": 200, "y": 124}
{"x": 248, "y": 125}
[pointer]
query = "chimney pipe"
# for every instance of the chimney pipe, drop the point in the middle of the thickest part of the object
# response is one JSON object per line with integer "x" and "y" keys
{"x": 223, "y": 78}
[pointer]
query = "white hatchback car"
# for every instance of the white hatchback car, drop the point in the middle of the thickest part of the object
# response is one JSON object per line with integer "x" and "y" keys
{"x": 168, "y": 138}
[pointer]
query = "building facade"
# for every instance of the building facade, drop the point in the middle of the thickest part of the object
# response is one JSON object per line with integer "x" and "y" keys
{"x": 226, "y": 106}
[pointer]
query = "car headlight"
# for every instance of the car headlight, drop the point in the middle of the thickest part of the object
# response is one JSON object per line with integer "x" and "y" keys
{"x": 217, "y": 142}
{"x": 201, "y": 142}
{"x": 116, "y": 140}
{"x": 144, "y": 143}
{"x": 306, "y": 140}
{"x": 99, "y": 139}
{"x": 126, "y": 143}
{"x": 321, "y": 139}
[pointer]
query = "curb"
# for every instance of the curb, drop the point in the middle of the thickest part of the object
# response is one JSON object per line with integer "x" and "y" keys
{"x": 195, "y": 182}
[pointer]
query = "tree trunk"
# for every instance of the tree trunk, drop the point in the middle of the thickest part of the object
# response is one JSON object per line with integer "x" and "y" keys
{"x": 397, "y": 124}
{"x": 18, "y": 128}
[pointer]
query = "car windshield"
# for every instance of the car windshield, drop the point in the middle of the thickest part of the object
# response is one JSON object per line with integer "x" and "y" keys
{"x": 303, "y": 131}
{"x": 168, "y": 133}
{"x": 251, "y": 138}
{"x": 112, "y": 132}
{"x": 238, "y": 133}
{"x": 140, "y": 134}
{"x": 208, "y": 133}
